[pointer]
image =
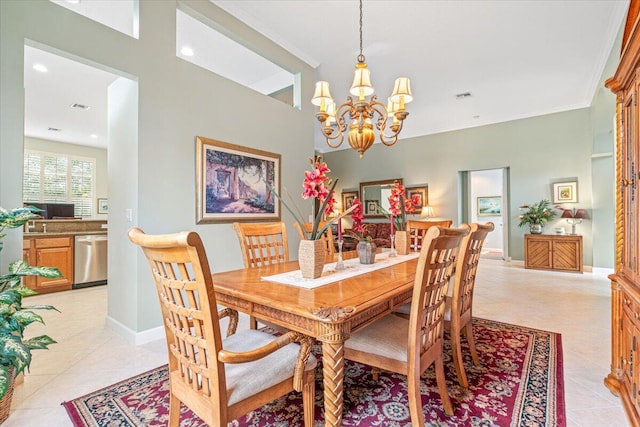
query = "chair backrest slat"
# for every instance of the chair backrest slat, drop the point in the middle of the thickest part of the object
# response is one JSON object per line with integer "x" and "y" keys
{"x": 262, "y": 244}
{"x": 417, "y": 230}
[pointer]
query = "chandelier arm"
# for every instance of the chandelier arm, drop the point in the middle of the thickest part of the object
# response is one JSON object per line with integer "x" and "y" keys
{"x": 381, "y": 123}
{"x": 341, "y": 125}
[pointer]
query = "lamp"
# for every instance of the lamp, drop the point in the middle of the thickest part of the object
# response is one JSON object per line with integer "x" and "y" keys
{"x": 362, "y": 112}
{"x": 574, "y": 216}
{"x": 427, "y": 212}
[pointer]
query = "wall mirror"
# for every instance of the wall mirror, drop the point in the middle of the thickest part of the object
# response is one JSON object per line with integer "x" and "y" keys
{"x": 374, "y": 194}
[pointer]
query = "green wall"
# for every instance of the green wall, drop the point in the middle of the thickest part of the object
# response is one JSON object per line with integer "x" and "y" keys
{"x": 155, "y": 166}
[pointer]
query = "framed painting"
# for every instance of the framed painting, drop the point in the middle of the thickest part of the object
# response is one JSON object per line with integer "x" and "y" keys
{"x": 421, "y": 194}
{"x": 103, "y": 206}
{"x": 490, "y": 206}
{"x": 565, "y": 192}
{"x": 348, "y": 198}
{"x": 231, "y": 183}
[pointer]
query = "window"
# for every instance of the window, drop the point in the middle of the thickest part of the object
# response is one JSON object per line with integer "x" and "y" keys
{"x": 59, "y": 178}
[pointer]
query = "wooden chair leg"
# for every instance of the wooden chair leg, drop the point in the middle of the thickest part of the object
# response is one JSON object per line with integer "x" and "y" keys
{"x": 457, "y": 358}
{"x": 415, "y": 400}
{"x": 472, "y": 343}
{"x": 174, "y": 411}
{"x": 375, "y": 373}
{"x": 442, "y": 386}
{"x": 253, "y": 323}
{"x": 309, "y": 397}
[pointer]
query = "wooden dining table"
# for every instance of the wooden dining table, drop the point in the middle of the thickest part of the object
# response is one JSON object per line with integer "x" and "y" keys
{"x": 329, "y": 313}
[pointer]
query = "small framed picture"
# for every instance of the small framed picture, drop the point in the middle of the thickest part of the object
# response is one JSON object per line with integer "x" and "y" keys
{"x": 372, "y": 207}
{"x": 347, "y": 199}
{"x": 490, "y": 206}
{"x": 421, "y": 194}
{"x": 565, "y": 192}
{"x": 103, "y": 206}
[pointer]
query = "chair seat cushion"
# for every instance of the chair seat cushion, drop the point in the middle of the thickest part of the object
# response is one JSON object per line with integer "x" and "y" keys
{"x": 247, "y": 379}
{"x": 386, "y": 337}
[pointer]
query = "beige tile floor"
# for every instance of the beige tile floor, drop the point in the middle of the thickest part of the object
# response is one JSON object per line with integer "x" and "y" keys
{"x": 89, "y": 355}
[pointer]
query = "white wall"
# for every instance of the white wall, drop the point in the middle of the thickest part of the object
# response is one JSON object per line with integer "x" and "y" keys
{"x": 487, "y": 183}
{"x": 177, "y": 101}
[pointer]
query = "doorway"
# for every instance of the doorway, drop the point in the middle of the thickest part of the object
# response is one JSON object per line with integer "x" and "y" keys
{"x": 483, "y": 197}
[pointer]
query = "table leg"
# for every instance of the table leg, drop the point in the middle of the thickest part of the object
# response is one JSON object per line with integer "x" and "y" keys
{"x": 333, "y": 377}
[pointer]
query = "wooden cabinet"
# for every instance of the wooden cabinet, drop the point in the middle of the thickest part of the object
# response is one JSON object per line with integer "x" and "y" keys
{"x": 50, "y": 252}
{"x": 624, "y": 378}
{"x": 553, "y": 252}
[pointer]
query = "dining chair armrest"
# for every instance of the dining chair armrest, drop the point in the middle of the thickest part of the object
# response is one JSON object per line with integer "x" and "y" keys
{"x": 233, "y": 319}
{"x": 305, "y": 341}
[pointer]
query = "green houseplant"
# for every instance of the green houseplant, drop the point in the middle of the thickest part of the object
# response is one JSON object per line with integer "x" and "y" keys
{"x": 536, "y": 215}
{"x": 15, "y": 350}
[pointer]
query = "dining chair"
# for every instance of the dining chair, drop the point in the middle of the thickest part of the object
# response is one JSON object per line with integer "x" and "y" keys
{"x": 410, "y": 346}
{"x": 458, "y": 306}
{"x": 327, "y": 237}
{"x": 262, "y": 244}
{"x": 218, "y": 379}
{"x": 417, "y": 230}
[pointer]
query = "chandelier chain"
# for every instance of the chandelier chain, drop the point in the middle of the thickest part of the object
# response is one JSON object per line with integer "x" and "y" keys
{"x": 361, "y": 56}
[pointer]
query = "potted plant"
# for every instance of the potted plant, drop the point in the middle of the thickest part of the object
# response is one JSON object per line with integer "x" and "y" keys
{"x": 536, "y": 215}
{"x": 15, "y": 350}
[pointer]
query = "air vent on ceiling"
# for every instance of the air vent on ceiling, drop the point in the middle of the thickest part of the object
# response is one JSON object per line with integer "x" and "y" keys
{"x": 81, "y": 106}
{"x": 463, "y": 95}
{"x": 55, "y": 130}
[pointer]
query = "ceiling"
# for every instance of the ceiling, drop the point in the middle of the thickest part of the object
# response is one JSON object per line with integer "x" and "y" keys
{"x": 517, "y": 59}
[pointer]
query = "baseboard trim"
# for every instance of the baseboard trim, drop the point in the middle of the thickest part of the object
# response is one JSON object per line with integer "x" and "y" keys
{"x": 133, "y": 337}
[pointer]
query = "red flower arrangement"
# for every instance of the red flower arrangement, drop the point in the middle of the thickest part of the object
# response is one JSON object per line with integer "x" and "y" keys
{"x": 357, "y": 216}
{"x": 316, "y": 185}
{"x": 400, "y": 206}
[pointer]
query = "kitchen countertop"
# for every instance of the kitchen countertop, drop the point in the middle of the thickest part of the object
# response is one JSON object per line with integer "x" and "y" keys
{"x": 33, "y": 235}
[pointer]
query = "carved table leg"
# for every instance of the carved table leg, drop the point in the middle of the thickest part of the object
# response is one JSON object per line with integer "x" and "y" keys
{"x": 333, "y": 376}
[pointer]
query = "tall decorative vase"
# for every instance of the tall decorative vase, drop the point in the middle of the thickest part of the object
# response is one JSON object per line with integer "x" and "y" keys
{"x": 535, "y": 228}
{"x": 311, "y": 258}
{"x": 402, "y": 242}
{"x": 366, "y": 252}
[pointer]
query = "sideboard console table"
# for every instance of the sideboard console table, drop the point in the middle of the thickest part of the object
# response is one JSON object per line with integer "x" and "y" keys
{"x": 553, "y": 252}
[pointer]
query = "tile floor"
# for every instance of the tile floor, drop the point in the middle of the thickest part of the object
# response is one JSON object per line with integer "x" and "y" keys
{"x": 89, "y": 355}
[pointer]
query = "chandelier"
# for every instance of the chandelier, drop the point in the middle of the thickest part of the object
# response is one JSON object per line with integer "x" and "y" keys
{"x": 363, "y": 113}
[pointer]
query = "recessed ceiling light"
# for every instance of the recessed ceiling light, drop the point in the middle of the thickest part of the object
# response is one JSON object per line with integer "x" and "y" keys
{"x": 186, "y": 51}
{"x": 94, "y": 136}
{"x": 41, "y": 68}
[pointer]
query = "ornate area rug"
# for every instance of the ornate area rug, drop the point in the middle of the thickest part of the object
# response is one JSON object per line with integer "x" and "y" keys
{"x": 518, "y": 383}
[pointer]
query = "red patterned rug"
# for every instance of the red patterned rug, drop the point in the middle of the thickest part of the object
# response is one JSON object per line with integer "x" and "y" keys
{"x": 518, "y": 383}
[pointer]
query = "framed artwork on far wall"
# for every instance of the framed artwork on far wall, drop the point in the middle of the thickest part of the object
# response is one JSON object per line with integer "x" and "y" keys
{"x": 421, "y": 194}
{"x": 371, "y": 207}
{"x": 490, "y": 206}
{"x": 348, "y": 198}
{"x": 231, "y": 183}
{"x": 103, "y": 206}
{"x": 565, "y": 192}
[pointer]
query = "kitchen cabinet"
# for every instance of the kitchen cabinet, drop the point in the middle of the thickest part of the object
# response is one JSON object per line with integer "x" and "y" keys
{"x": 624, "y": 376}
{"x": 553, "y": 252}
{"x": 50, "y": 252}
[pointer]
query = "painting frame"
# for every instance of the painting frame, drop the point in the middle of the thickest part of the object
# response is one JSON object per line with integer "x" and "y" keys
{"x": 103, "y": 206}
{"x": 565, "y": 192}
{"x": 347, "y": 199}
{"x": 423, "y": 194}
{"x": 222, "y": 195}
{"x": 486, "y": 206}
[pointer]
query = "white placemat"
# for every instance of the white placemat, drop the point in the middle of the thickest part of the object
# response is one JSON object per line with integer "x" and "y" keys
{"x": 330, "y": 274}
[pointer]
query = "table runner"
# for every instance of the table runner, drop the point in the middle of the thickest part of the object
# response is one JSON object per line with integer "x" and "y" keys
{"x": 330, "y": 274}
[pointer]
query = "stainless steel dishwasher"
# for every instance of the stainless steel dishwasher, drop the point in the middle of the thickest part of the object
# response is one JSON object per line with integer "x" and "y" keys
{"x": 90, "y": 260}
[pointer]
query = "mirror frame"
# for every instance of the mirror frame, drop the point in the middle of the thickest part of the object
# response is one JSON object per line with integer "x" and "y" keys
{"x": 380, "y": 183}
